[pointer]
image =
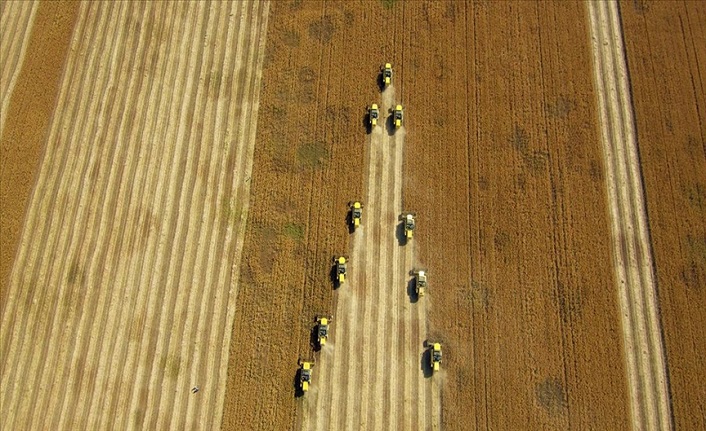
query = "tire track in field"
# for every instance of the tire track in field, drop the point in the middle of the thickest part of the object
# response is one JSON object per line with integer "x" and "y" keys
{"x": 633, "y": 263}
{"x": 150, "y": 124}
{"x": 379, "y": 385}
{"x": 16, "y": 22}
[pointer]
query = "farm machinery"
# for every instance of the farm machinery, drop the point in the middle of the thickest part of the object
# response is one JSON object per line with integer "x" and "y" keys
{"x": 397, "y": 116}
{"x": 356, "y": 213}
{"x": 322, "y": 331}
{"x": 387, "y": 74}
{"x": 341, "y": 269}
{"x": 373, "y": 114}
{"x": 420, "y": 282}
{"x": 409, "y": 220}
{"x": 305, "y": 368}
{"x": 434, "y": 355}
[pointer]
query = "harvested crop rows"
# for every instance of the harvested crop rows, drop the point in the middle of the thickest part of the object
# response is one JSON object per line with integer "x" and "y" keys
{"x": 642, "y": 336}
{"x": 371, "y": 376}
{"x": 665, "y": 43}
{"x": 123, "y": 287}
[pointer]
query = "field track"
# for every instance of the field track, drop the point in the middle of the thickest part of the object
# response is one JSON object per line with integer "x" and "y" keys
{"x": 646, "y": 368}
{"x": 371, "y": 375}
{"x": 122, "y": 294}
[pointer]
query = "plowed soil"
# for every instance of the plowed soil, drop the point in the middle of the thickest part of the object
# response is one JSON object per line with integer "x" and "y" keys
{"x": 666, "y": 49}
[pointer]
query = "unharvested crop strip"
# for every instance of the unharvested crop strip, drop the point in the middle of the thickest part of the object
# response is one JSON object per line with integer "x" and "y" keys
{"x": 633, "y": 263}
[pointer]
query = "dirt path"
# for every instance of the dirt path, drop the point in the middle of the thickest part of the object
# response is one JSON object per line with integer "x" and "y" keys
{"x": 632, "y": 254}
{"x": 124, "y": 295}
{"x": 371, "y": 376}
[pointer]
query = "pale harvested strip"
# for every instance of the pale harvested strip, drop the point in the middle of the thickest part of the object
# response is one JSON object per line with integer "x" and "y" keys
{"x": 122, "y": 295}
{"x": 632, "y": 253}
{"x": 16, "y": 21}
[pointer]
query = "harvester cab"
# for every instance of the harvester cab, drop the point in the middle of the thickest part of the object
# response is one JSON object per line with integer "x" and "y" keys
{"x": 305, "y": 368}
{"x": 409, "y": 224}
{"x": 356, "y": 213}
{"x": 322, "y": 333}
{"x": 341, "y": 263}
{"x": 373, "y": 114}
{"x": 387, "y": 74}
{"x": 397, "y": 116}
{"x": 420, "y": 282}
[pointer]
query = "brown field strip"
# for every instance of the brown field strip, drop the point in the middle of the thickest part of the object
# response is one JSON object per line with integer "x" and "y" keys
{"x": 665, "y": 44}
{"x": 507, "y": 175}
{"x": 16, "y": 20}
{"x": 124, "y": 284}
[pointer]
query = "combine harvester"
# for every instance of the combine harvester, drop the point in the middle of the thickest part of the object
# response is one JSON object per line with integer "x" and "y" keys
{"x": 356, "y": 213}
{"x": 305, "y": 368}
{"x": 341, "y": 269}
{"x": 387, "y": 74}
{"x": 410, "y": 223}
{"x": 397, "y": 116}
{"x": 434, "y": 355}
{"x": 373, "y": 115}
{"x": 420, "y": 282}
{"x": 322, "y": 332}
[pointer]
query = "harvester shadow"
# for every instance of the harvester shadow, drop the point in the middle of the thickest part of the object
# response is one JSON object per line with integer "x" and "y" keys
{"x": 390, "y": 125}
{"x": 366, "y": 123}
{"x": 333, "y": 275}
{"x": 381, "y": 82}
{"x": 349, "y": 222}
{"x": 412, "y": 291}
{"x": 314, "y": 338}
{"x": 427, "y": 370}
{"x": 400, "y": 234}
{"x": 298, "y": 392}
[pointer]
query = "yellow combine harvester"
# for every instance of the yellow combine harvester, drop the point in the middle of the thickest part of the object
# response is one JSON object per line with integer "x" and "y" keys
{"x": 341, "y": 269}
{"x": 387, "y": 74}
{"x": 305, "y": 374}
{"x": 356, "y": 213}
{"x": 373, "y": 114}
{"x": 435, "y": 356}
{"x": 409, "y": 224}
{"x": 397, "y": 116}
{"x": 322, "y": 332}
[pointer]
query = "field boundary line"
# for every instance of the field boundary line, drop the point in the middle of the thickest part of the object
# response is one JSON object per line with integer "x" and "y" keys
{"x": 632, "y": 255}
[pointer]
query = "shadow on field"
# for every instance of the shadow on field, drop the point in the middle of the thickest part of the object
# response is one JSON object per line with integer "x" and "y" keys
{"x": 349, "y": 222}
{"x": 390, "y": 124}
{"x": 298, "y": 393}
{"x": 381, "y": 82}
{"x": 366, "y": 122}
{"x": 411, "y": 291}
{"x": 333, "y": 275}
{"x": 314, "y": 338}
{"x": 400, "y": 235}
{"x": 427, "y": 371}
